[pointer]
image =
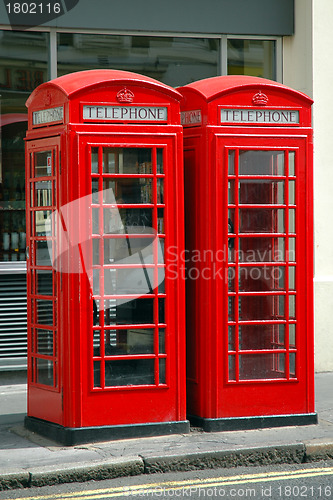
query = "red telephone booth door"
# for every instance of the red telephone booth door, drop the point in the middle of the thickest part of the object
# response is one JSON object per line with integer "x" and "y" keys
{"x": 44, "y": 346}
{"x": 268, "y": 306}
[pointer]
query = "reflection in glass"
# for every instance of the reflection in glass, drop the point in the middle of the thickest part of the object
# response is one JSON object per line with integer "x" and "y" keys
{"x": 231, "y": 192}
{"x": 43, "y": 193}
{"x": 161, "y": 340}
{"x": 259, "y": 249}
{"x": 261, "y": 192}
{"x": 292, "y": 283}
{"x": 130, "y": 250}
{"x": 128, "y": 281}
{"x": 292, "y": 193}
{"x": 292, "y": 250}
{"x": 127, "y": 191}
{"x": 128, "y": 220}
{"x": 43, "y": 223}
{"x": 129, "y": 372}
{"x": 261, "y": 336}
{"x": 251, "y": 57}
{"x": 263, "y": 220}
{"x": 128, "y": 312}
{"x": 262, "y": 366}
{"x": 292, "y": 364}
{"x": 43, "y": 164}
{"x": 261, "y": 278}
{"x": 43, "y": 251}
{"x": 231, "y": 338}
{"x": 261, "y": 307}
{"x": 44, "y": 369}
{"x": 261, "y": 163}
{"x": 44, "y": 312}
{"x": 45, "y": 342}
{"x": 44, "y": 282}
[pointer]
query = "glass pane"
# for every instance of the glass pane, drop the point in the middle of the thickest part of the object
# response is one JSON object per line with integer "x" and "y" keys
{"x": 292, "y": 214}
{"x": 231, "y": 338}
{"x": 261, "y": 307}
{"x": 129, "y": 372}
{"x": 96, "y": 275}
{"x": 161, "y": 364}
{"x": 159, "y": 161}
{"x": 261, "y": 163}
{"x": 292, "y": 283}
{"x": 43, "y": 164}
{"x": 94, "y": 160}
{"x": 43, "y": 193}
{"x": 125, "y": 191}
{"x": 231, "y": 163}
{"x": 161, "y": 310}
{"x": 140, "y": 341}
{"x": 232, "y": 368}
{"x": 292, "y": 335}
{"x": 263, "y": 220}
{"x": 94, "y": 191}
{"x": 161, "y": 340}
{"x": 95, "y": 220}
{"x": 291, "y": 162}
{"x": 292, "y": 364}
{"x": 44, "y": 368}
{"x": 292, "y": 193}
{"x": 261, "y": 278}
{"x": 44, "y": 282}
{"x": 261, "y": 336}
{"x": 96, "y": 247}
{"x": 129, "y": 250}
{"x": 127, "y": 161}
{"x": 45, "y": 342}
{"x": 43, "y": 253}
{"x": 261, "y": 366}
{"x": 292, "y": 305}
{"x": 231, "y": 279}
{"x": 231, "y": 192}
{"x": 97, "y": 374}
{"x": 43, "y": 223}
{"x": 160, "y": 190}
{"x": 127, "y": 312}
{"x": 258, "y": 249}
{"x": 128, "y": 220}
{"x": 168, "y": 59}
{"x": 160, "y": 221}
{"x": 251, "y": 57}
{"x": 139, "y": 281}
{"x": 44, "y": 312}
{"x": 231, "y": 308}
{"x": 292, "y": 250}
{"x": 261, "y": 192}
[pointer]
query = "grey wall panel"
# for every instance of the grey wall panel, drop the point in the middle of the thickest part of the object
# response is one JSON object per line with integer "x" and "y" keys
{"x": 253, "y": 17}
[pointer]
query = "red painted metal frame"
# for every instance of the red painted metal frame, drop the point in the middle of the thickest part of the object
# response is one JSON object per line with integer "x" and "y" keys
{"x": 211, "y": 392}
{"x": 74, "y": 401}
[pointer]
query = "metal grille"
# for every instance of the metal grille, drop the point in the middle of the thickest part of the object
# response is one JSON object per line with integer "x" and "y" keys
{"x": 13, "y": 321}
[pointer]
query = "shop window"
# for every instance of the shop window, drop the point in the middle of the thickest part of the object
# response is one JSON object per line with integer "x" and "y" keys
{"x": 23, "y": 66}
{"x": 251, "y": 57}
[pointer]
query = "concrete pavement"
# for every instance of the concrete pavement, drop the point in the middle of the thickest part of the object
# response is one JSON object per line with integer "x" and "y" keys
{"x": 27, "y": 459}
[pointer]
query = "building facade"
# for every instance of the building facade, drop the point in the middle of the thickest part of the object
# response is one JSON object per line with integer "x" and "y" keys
{"x": 176, "y": 43}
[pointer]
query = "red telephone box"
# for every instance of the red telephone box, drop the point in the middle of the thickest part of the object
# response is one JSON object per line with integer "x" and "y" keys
{"x": 106, "y": 326}
{"x": 249, "y": 244}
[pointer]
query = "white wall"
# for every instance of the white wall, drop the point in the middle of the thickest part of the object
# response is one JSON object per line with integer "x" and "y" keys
{"x": 308, "y": 66}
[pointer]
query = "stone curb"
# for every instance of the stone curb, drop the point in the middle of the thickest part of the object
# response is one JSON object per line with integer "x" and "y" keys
{"x": 149, "y": 464}
{"x": 72, "y": 472}
{"x": 293, "y": 453}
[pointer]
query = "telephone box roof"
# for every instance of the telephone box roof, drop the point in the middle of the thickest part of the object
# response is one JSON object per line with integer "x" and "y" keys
{"x": 83, "y": 80}
{"x": 211, "y": 88}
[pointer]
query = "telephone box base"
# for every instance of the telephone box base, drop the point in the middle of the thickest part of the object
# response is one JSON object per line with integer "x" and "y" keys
{"x": 248, "y": 423}
{"x": 70, "y": 436}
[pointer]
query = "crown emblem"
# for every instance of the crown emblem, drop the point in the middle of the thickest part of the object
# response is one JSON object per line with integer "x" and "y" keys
{"x": 125, "y": 95}
{"x": 260, "y": 99}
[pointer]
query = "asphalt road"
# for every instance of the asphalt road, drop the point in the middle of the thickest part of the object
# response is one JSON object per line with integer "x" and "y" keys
{"x": 312, "y": 481}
